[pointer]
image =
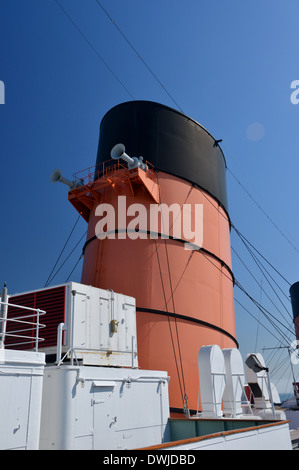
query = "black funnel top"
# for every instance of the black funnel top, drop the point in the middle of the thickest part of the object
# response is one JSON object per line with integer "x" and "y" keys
{"x": 169, "y": 140}
{"x": 294, "y": 294}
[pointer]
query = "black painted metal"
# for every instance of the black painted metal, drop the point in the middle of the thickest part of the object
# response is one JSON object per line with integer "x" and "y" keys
{"x": 294, "y": 294}
{"x": 169, "y": 140}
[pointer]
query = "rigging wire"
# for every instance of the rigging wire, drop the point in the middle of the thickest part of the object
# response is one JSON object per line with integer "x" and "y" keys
{"x": 94, "y": 49}
{"x": 47, "y": 281}
{"x": 69, "y": 255}
{"x": 263, "y": 310}
{"x": 155, "y": 76}
{"x": 192, "y": 251}
{"x": 256, "y": 303}
{"x": 277, "y": 285}
{"x": 248, "y": 311}
{"x": 185, "y": 400}
{"x": 262, "y": 289}
{"x": 275, "y": 350}
{"x": 278, "y": 365}
{"x": 258, "y": 325}
{"x": 176, "y": 327}
{"x": 245, "y": 241}
{"x": 68, "y": 278}
{"x": 287, "y": 382}
{"x": 188, "y": 261}
{"x": 138, "y": 54}
{"x": 263, "y": 211}
{"x": 257, "y": 251}
{"x": 169, "y": 324}
{"x": 258, "y": 264}
{"x": 243, "y": 238}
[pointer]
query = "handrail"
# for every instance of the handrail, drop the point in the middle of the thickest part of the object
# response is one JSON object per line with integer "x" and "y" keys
{"x": 87, "y": 176}
{"x": 22, "y": 339}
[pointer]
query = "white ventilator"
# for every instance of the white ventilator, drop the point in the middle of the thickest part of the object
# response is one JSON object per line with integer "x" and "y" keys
{"x": 212, "y": 378}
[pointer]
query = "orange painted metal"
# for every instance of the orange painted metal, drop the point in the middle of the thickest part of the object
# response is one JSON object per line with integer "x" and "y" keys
{"x": 165, "y": 278}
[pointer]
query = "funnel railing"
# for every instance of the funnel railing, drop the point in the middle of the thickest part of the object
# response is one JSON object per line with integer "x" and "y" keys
{"x": 107, "y": 168}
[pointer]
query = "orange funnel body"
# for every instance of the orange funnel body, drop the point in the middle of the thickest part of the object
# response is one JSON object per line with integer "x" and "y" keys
{"x": 184, "y": 294}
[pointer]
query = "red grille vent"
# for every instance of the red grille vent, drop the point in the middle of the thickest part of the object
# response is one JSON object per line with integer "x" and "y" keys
{"x": 50, "y": 300}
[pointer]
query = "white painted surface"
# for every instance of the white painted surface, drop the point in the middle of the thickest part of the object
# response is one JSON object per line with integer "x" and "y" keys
{"x": 21, "y": 380}
{"x": 212, "y": 379}
{"x": 99, "y": 325}
{"x": 267, "y": 438}
{"x": 259, "y": 378}
{"x": 235, "y": 382}
{"x": 293, "y": 417}
{"x": 80, "y": 412}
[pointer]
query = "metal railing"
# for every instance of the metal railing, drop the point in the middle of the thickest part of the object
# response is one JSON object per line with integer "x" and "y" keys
{"x": 23, "y": 325}
{"x": 90, "y": 174}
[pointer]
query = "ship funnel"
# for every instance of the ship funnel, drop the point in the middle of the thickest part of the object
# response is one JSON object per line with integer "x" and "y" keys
{"x": 294, "y": 295}
{"x": 186, "y": 172}
{"x": 118, "y": 151}
{"x": 57, "y": 176}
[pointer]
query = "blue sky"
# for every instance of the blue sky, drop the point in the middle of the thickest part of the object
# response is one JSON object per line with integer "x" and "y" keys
{"x": 228, "y": 64}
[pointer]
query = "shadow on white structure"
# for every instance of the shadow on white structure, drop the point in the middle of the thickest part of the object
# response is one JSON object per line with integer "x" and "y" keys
{"x": 261, "y": 388}
{"x": 222, "y": 385}
{"x": 212, "y": 376}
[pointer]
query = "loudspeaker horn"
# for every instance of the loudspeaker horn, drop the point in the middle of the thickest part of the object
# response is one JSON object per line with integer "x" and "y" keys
{"x": 57, "y": 176}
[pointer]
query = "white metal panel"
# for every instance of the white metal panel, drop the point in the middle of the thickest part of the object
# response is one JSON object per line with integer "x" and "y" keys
{"x": 84, "y": 442}
{"x": 80, "y": 318}
{"x": 101, "y": 326}
{"x": 103, "y": 408}
{"x": 15, "y": 401}
{"x": 58, "y": 419}
{"x": 270, "y": 438}
{"x": 105, "y": 411}
{"x": 235, "y": 382}
{"x": 103, "y": 383}
{"x": 104, "y": 326}
{"x": 21, "y": 375}
{"x": 212, "y": 378}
